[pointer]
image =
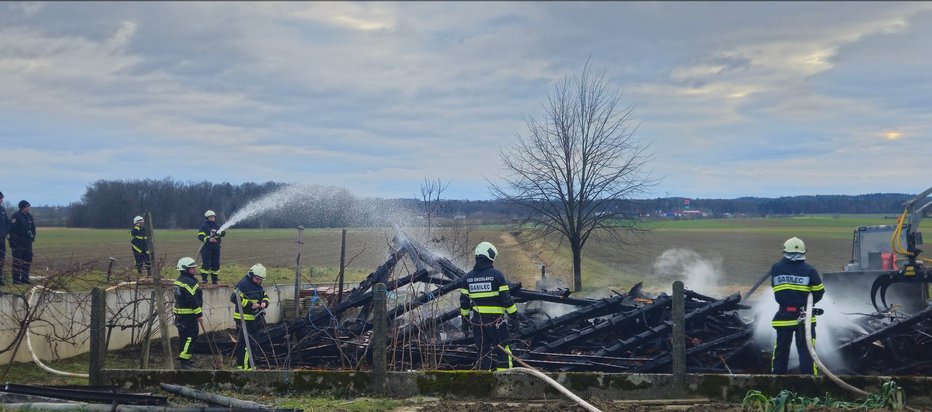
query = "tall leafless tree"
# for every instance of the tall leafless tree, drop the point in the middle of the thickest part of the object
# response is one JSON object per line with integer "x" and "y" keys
{"x": 431, "y": 190}
{"x": 575, "y": 163}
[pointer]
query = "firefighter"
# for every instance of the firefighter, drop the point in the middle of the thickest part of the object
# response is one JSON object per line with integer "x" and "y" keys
{"x": 249, "y": 301}
{"x": 140, "y": 244}
{"x": 22, "y": 235}
{"x": 484, "y": 300}
{"x": 188, "y": 309}
{"x": 793, "y": 280}
{"x": 4, "y": 229}
{"x": 210, "y": 236}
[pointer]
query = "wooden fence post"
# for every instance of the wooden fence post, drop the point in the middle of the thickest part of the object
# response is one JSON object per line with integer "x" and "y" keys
{"x": 379, "y": 337}
{"x": 156, "y": 275}
{"x": 297, "y": 274}
{"x": 679, "y": 334}
{"x": 98, "y": 336}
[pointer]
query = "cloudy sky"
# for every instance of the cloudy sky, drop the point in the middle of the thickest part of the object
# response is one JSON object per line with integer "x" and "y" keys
{"x": 737, "y": 99}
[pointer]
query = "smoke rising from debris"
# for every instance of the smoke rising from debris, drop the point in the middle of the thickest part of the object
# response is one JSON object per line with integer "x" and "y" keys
{"x": 698, "y": 274}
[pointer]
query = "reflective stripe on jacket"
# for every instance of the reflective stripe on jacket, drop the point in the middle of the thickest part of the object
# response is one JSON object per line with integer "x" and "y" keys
{"x": 203, "y": 233}
{"x": 246, "y": 294}
{"x": 792, "y": 282}
{"x": 188, "y": 296}
{"x": 139, "y": 239}
{"x": 485, "y": 291}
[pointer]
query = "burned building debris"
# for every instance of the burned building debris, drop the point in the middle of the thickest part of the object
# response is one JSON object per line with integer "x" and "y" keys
{"x": 625, "y": 332}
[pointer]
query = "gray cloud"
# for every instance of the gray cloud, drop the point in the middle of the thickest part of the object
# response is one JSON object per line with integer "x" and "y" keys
{"x": 738, "y": 99}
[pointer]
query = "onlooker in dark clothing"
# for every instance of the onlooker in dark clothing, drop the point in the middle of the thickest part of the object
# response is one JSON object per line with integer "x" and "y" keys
{"x": 4, "y": 230}
{"x": 188, "y": 309}
{"x": 793, "y": 280}
{"x": 140, "y": 242}
{"x": 485, "y": 298}
{"x": 210, "y": 251}
{"x": 22, "y": 235}
{"x": 249, "y": 300}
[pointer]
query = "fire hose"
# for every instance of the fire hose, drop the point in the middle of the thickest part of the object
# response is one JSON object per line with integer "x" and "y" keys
{"x": 815, "y": 356}
{"x": 530, "y": 370}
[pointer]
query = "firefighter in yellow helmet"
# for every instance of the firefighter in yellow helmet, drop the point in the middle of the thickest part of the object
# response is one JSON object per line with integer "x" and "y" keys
{"x": 485, "y": 298}
{"x": 249, "y": 301}
{"x": 140, "y": 244}
{"x": 210, "y": 234}
{"x": 793, "y": 280}
{"x": 188, "y": 309}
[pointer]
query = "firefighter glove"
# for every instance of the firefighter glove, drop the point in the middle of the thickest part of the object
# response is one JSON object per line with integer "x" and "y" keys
{"x": 465, "y": 326}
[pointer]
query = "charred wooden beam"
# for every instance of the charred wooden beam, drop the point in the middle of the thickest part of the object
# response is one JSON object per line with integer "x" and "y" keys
{"x": 666, "y": 327}
{"x": 894, "y": 328}
{"x": 624, "y": 320}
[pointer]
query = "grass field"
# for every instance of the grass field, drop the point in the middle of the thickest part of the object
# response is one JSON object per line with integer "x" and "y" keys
{"x": 740, "y": 250}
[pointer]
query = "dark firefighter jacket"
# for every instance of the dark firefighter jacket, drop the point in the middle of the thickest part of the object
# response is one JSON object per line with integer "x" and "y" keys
{"x": 139, "y": 239}
{"x": 203, "y": 234}
{"x": 4, "y": 224}
{"x": 188, "y": 297}
{"x": 247, "y": 292}
{"x": 792, "y": 282}
{"x": 22, "y": 229}
{"x": 485, "y": 291}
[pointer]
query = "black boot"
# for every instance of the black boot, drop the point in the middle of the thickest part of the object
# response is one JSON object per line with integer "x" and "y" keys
{"x": 213, "y": 278}
{"x": 203, "y": 278}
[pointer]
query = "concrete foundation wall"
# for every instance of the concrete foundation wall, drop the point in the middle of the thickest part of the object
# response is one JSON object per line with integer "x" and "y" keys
{"x": 63, "y": 331}
{"x": 515, "y": 385}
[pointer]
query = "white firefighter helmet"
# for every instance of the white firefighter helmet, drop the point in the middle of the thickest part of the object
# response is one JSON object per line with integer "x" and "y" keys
{"x": 487, "y": 250}
{"x": 138, "y": 219}
{"x": 794, "y": 245}
{"x": 258, "y": 271}
{"x": 209, "y": 213}
{"x": 186, "y": 263}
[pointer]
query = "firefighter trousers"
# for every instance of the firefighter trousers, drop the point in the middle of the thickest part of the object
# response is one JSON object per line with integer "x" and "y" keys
{"x": 781, "y": 349}
{"x": 488, "y": 332}
{"x": 240, "y": 355}
{"x": 210, "y": 265}
{"x": 187, "y": 335}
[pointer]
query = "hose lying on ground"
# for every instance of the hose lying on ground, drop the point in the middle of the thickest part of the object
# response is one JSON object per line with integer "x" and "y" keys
{"x": 35, "y": 359}
{"x": 815, "y": 357}
{"x": 528, "y": 369}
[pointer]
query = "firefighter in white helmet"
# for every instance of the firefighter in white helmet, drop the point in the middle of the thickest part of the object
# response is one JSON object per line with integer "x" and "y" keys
{"x": 188, "y": 309}
{"x": 210, "y": 235}
{"x": 249, "y": 301}
{"x": 793, "y": 280}
{"x": 485, "y": 298}
{"x": 140, "y": 244}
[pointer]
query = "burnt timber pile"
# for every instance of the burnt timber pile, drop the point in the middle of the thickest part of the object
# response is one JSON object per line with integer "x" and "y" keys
{"x": 626, "y": 332}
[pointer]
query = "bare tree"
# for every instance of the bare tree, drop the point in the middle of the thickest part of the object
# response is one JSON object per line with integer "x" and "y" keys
{"x": 431, "y": 190}
{"x": 576, "y": 163}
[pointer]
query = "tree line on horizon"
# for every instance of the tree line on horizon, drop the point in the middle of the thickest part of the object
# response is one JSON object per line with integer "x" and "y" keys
{"x": 175, "y": 204}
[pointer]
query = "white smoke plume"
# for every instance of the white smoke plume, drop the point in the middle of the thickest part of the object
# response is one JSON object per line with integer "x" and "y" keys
{"x": 698, "y": 273}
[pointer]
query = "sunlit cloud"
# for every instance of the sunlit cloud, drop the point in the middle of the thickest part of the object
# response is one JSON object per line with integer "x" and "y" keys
{"x": 892, "y": 135}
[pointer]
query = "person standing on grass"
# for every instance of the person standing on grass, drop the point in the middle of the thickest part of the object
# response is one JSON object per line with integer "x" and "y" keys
{"x": 210, "y": 235}
{"x": 22, "y": 235}
{"x": 140, "y": 244}
{"x": 793, "y": 280}
{"x": 4, "y": 230}
{"x": 188, "y": 309}
{"x": 249, "y": 301}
